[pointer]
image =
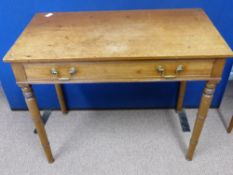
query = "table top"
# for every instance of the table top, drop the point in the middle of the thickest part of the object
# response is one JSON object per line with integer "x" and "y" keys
{"x": 119, "y": 35}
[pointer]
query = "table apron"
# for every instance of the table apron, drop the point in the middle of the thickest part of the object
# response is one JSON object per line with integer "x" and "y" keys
{"x": 118, "y": 71}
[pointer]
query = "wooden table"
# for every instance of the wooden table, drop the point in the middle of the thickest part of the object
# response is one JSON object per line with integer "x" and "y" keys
{"x": 119, "y": 46}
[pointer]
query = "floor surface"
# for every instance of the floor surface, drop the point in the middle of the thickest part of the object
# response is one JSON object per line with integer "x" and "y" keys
{"x": 116, "y": 142}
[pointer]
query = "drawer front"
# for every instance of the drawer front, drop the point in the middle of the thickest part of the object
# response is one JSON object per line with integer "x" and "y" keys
{"x": 119, "y": 71}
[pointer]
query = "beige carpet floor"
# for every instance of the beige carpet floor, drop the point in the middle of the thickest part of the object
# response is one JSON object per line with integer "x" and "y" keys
{"x": 116, "y": 142}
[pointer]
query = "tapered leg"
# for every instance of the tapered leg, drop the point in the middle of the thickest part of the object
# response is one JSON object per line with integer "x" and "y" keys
{"x": 201, "y": 116}
{"x": 60, "y": 97}
{"x": 180, "y": 100}
{"x": 35, "y": 113}
{"x": 230, "y": 127}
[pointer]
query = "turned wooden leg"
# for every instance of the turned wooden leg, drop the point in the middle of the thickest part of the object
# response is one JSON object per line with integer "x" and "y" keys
{"x": 35, "y": 113}
{"x": 60, "y": 97}
{"x": 181, "y": 94}
{"x": 229, "y": 129}
{"x": 201, "y": 116}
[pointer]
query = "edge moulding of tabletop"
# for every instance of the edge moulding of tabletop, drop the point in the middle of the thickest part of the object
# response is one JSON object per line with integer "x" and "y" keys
{"x": 119, "y": 46}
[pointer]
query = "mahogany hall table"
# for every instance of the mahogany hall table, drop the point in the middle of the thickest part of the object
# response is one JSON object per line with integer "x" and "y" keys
{"x": 119, "y": 46}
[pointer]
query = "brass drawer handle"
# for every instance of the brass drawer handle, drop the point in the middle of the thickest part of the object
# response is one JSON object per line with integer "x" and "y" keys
{"x": 71, "y": 71}
{"x": 54, "y": 71}
{"x": 161, "y": 70}
{"x": 64, "y": 79}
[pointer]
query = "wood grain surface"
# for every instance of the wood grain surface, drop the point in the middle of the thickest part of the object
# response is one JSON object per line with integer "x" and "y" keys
{"x": 119, "y": 35}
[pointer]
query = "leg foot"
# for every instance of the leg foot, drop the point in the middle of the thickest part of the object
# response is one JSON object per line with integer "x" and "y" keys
{"x": 230, "y": 127}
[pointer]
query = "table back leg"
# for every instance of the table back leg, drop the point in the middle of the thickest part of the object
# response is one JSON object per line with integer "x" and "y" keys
{"x": 181, "y": 94}
{"x": 35, "y": 113}
{"x": 201, "y": 116}
{"x": 61, "y": 98}
{"x": 230, "y": 127}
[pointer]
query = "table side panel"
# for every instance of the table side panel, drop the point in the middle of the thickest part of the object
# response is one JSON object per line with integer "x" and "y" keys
{"x": 218, "y": 67}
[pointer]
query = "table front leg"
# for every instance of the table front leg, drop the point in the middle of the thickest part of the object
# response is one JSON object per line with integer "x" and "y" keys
{"x": 201, "y": 116}
{"x": 35, "y": 113}
{"x": 181, "y": 94}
